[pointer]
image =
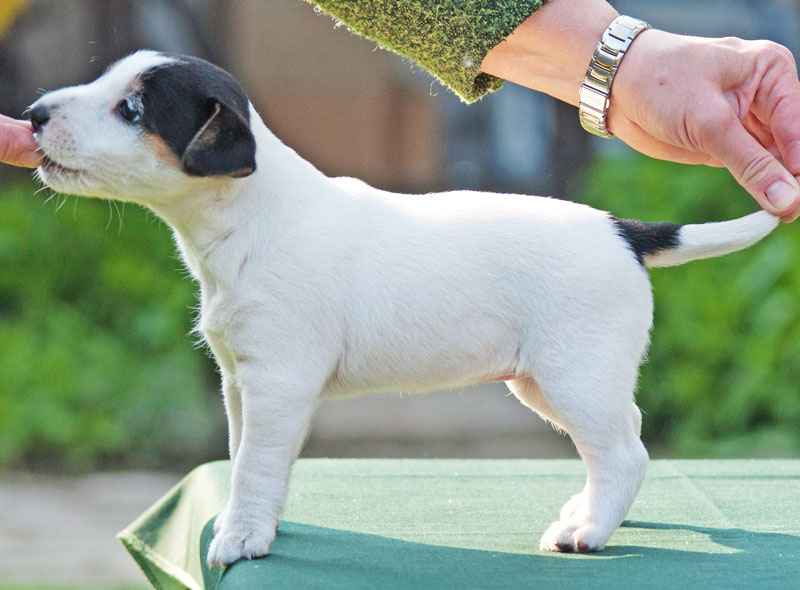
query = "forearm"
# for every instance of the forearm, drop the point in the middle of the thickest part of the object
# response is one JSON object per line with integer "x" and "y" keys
{"x": 551, "y": 50}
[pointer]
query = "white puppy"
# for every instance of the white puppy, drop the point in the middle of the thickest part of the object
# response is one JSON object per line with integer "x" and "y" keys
{"x": 314, "y": 286}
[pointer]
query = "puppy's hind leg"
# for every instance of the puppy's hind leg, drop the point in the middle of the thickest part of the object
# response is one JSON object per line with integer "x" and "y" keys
{"x": 594, "y": 405}
{"x": 530, "y": 395}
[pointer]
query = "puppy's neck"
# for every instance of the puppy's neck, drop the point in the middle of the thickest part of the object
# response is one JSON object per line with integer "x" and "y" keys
{"x": 215, "y": 221}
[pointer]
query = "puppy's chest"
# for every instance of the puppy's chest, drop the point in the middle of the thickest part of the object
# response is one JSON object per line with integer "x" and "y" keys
{"x": 216, "y": 315}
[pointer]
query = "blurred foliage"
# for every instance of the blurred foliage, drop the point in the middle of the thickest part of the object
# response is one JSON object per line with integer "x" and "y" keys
{"x": 723, "y": 374}
{"x": 96, "y": 369}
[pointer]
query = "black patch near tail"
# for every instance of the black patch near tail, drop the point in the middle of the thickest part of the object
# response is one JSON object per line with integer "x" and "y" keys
{"x": 647, "y": 238}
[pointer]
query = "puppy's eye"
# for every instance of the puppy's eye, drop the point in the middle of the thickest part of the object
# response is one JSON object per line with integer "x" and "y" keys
{"x": 130, "y": 109}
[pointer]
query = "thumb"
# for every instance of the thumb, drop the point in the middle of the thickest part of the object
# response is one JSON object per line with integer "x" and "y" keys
{"x": 755, "y": 168}
{"x": 17, "y": 145}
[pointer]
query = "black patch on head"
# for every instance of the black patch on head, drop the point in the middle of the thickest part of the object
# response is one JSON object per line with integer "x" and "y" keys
{"x": 202, "y": 114}
{"x": 647, "y": 238}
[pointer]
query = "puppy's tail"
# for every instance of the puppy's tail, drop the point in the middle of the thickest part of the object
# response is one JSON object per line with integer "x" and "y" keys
{"x": 669, "y": 244}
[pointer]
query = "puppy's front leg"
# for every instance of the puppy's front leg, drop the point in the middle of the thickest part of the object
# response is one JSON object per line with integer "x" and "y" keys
{"x": 232, "y": 397}
{"x": 231, "y": 392}
{"x": 276, "y": 411}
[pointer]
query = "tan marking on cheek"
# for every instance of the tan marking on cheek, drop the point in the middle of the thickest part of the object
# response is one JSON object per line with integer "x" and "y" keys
{"x": 162, "y": 151}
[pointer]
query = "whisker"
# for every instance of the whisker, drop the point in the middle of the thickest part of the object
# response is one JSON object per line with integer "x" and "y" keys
{"x": 61, "y": 203}
{"x": 116, "y": 208}
{"x": 53, "y": 195}
{"x": 110, "y": 215}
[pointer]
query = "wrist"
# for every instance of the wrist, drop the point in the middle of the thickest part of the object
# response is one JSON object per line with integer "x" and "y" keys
{"x": 595, "y": 93}
{"x": 628, "y": 93}
{"x": 652, "y": 95}
{"x": 550, "y": 51}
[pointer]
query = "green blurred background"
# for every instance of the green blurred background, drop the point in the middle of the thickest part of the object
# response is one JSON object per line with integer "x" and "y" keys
{"x": 97, "y": 367}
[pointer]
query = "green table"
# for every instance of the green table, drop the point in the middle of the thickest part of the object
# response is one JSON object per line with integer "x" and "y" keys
{"x": 358, "y": 523}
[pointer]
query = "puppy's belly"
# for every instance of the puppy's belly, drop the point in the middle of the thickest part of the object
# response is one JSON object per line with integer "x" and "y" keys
{"x": 416, "y": 373}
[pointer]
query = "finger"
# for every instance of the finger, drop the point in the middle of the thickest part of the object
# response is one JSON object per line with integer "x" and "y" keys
{"x": 778, "y": 105}
{"x": 762, "y": 133}
{"x": 16, "y": 122}
{"x": 17, "y": 145}
{"x": 29, "y": 160}
{"x": 754, "y": 167}
{"x": 793, "y": 212}
{"x": 792, "y": 217}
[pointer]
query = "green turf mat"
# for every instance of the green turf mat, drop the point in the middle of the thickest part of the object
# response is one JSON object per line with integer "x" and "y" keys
{"x": 362, "y": 523}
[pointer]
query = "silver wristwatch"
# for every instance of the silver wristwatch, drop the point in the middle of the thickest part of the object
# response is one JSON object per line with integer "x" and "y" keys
{"x": 596, "y": 87}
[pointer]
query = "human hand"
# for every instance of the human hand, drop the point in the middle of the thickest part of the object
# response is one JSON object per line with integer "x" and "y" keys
{"x": 719, "y": 102}
{"x": 17, "y": 146}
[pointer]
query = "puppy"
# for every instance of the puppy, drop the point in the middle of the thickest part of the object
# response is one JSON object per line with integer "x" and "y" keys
{"x": 313, "y": 286}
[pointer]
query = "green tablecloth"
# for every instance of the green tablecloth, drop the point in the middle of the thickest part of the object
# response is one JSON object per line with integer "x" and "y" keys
{"x": 353, "y": 523}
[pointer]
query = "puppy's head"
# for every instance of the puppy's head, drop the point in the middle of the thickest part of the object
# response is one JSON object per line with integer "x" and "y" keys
{"x": 151, "y": 127}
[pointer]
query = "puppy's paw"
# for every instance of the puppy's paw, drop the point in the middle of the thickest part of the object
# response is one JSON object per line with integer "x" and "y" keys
{"x": 573, "y": 535}
{"x": 571, "y": 507}
{"x": 219, "y": 522}
{"x": 236, "y": 540}
{"x": 590, "y": 538}
{"x": 558, "y": 536}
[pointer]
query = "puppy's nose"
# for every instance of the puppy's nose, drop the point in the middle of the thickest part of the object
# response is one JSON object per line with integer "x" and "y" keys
{"x": 39, "y": 116}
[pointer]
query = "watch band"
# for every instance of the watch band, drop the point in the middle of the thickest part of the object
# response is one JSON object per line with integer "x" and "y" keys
{"x": 594, "y": 93}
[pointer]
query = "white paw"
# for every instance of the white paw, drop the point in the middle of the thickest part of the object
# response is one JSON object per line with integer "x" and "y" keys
{"x": 574, "y": 534}
{"x": 571, "y": 507}
{"x": 234, "y": 540}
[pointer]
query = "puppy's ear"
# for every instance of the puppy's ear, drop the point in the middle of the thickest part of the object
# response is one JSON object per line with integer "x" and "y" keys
{"x": 224, "y": 146}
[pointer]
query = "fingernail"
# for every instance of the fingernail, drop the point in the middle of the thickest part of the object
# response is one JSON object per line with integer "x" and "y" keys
{"x": 781, "y": 195}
